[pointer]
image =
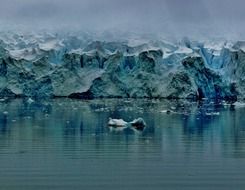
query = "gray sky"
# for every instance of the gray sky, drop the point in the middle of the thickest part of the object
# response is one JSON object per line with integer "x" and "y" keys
{"x": 175, "y": 17}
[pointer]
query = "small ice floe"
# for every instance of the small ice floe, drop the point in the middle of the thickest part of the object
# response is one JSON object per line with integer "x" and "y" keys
{"x": 5, "y": 113}
{"x": 239, "y": 104}
{"x": 166, "y": 111}
{"x": 212, "y": 113}
{"x": 225, "y": 104}
{"x": 120, "y": 124}
{"x": 30, "y": 101}
{"x": 2, "y": 100}
{"x": 102, "y": 110}
{"x": 127, "y": 101}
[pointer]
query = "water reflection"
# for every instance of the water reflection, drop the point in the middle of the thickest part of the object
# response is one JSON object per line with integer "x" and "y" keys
{"x": 78, "y": 120}
{"x": 3, "y": 121}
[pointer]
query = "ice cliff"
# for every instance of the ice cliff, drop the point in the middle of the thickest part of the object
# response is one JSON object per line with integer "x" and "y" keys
{"x": 52, "y": 65}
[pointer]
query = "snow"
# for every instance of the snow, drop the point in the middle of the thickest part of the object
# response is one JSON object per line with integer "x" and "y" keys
{"x": 216, "y": 46}
{"x": 50, "y": 45}
{"x": 137, "y": 42}
{"x": 184, "y": 50}
{"x": 27, "y": 54}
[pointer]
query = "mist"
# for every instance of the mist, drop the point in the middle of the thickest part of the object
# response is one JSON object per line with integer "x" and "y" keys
{"x": 177, "y": 18}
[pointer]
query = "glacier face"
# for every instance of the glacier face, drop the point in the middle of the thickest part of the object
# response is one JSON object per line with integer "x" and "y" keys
{"x": 52, "y": 65}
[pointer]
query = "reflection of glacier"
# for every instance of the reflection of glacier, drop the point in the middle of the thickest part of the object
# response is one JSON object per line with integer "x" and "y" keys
{"x": 65, "y": 65}
{"x": 75, "y": 123}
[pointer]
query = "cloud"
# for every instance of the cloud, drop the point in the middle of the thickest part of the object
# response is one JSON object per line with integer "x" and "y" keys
{"x": 179, "y": 17}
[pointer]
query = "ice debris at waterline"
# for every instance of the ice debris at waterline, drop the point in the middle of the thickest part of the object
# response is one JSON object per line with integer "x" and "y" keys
{"x": 76, "y": 66}
{"x": 120, "y": 124}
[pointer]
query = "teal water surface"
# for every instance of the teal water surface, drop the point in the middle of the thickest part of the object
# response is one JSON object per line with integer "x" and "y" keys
{"x": 66, "y": 144}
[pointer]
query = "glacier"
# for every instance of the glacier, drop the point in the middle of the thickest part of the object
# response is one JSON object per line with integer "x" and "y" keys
{"x": 80, "y": 66}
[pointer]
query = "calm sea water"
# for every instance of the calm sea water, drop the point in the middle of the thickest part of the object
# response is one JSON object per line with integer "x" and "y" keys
{"x": 66, "y": 144}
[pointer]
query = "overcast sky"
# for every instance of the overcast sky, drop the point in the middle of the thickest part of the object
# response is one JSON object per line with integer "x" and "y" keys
{"x": 176, "y": 17}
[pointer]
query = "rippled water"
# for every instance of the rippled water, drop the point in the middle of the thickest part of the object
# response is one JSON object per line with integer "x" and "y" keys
{"x": 66, "y": 144}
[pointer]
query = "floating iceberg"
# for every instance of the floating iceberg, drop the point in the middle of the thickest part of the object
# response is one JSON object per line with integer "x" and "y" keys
{"x": 212, "y": 113}
{"x": 117, "y": 123}
{"x": 138, "y": 124}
